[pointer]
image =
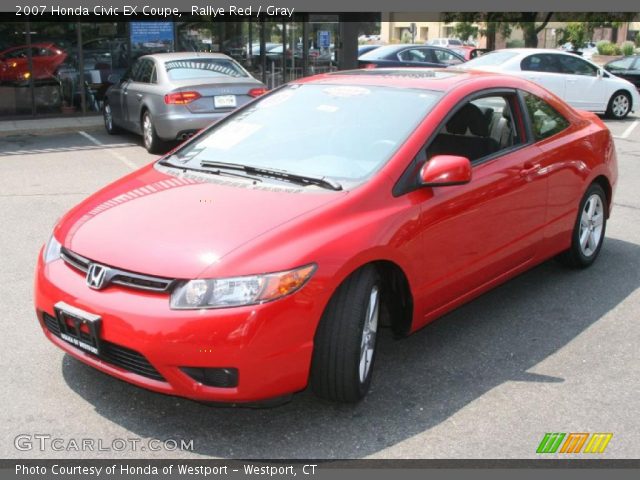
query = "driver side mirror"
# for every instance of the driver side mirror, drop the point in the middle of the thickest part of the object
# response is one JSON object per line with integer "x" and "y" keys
{"x": 445, "y": 170}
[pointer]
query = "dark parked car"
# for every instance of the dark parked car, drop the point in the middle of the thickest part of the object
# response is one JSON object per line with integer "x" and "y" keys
{"x": 627, "y": 68}
{"x": 170, "y": 96}
{"x": 362, "y": 49}
{"x": 409, "y": 56}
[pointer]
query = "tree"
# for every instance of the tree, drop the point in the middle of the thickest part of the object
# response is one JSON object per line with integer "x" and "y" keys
{"x": 465, "y": 30}
{"x": 577, "y": 33}
{"x": 531, "y": 23}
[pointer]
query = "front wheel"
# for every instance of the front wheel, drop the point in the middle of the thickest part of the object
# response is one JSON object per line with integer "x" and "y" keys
{"x": 588, "y": 233}
{"x": 619, "y": 105}
{"x": 345, "y": 342}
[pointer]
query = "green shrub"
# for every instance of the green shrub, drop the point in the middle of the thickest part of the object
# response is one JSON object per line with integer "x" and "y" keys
{"x": 628, "y": 48}
{"x": 617, "y": 50}
{"x": 605, "y": 47}
{"x": 637, "y": 40}
{"x": 515, "y": 44}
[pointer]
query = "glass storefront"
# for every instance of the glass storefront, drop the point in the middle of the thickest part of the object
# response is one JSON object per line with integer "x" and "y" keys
{"x": 64, "y": 68}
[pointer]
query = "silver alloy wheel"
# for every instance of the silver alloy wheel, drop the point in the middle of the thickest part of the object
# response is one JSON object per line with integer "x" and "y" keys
{"x": 147, "y": 130}
{"x": 108, "y": 117}
{"x": 368, "y": 342}
{"x": 620, "y": 105}
{"x": 591, "y": 223}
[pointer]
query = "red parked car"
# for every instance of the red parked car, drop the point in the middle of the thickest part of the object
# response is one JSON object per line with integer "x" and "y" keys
{"x": 264, "y": 254}
{"x": 45, "y": 57}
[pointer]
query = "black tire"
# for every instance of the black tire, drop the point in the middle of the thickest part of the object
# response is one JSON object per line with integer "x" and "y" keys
{"x": 619, "y": 105}
{"x": 107, "y": 115}
{"x": 152, "y": 142}
{"x": 336, "y": 372}
{"x": 579, "y": 256}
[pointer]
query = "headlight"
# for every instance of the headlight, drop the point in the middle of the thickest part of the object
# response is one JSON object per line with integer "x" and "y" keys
{"x": 238, "y": 291}
{"x": 51, "y": 250}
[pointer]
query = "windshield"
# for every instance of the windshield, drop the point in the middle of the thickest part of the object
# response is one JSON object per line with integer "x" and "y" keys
{"x": 490, "y": 59}
{"x": 202, "y": 68}
{"x": 342, "y": 132}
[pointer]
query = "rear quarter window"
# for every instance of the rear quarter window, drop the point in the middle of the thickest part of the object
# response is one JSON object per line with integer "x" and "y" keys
{"x": 545, "y": 120}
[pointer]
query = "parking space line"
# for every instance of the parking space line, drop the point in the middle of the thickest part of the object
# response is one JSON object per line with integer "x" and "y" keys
{"x": 111, "y": 152}
{"x": 628, "y": 130}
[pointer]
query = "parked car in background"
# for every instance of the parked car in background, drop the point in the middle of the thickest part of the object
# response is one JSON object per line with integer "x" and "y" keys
{"x": 409, "y": 56}
{"x": 14, "y": 62}
{"x": 469, "y": 52}
{"x": 627, "y": 68}
{"x": 170, "y": 96}
{"x": 235, "y": 270}
{"x": 445, "y": 42}
{"x": 579, "y": 82}
{"x": 586, "y": 50}
{"x": 362, "y": 49}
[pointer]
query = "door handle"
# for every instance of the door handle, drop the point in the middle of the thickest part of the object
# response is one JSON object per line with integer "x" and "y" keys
{"x": 529, "y": 168}
{"x": 139, "y": 96}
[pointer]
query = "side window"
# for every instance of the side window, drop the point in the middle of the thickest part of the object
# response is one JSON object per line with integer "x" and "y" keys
{"x": 545, "y": 120}
{"x": 412, "y": 55}
{"x": 576, "y": 66}
{"x": 17, "y": 53}
{"x": 144, "y": 72}
{"x": 132, "y": 73}
{"x": 480, "y": 128}
{"x": 447, "y": 58}
{"x": 540, "y": 63}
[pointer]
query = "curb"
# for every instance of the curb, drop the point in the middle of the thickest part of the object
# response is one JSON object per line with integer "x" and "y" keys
{"x": 49, "y": 126}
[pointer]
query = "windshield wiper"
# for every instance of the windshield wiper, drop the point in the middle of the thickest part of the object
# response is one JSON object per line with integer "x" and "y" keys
{"x": 323, "y": 182}
{"x": 216, "y": 171}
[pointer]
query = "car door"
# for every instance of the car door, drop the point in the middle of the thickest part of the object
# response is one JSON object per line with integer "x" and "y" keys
{"x": 115, "y": 97}
{"x": 543, "y": 69}
{"x": 585, "y": 89}
{"x": 475, "y": 233}
{"x": 135, "y": 91}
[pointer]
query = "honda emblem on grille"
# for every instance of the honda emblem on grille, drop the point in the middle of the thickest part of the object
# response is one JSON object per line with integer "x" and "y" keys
{"x": 96, "y": 276}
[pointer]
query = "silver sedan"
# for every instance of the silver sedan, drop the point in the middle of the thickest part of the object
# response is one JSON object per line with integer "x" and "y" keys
{"x": 170, "y": 96}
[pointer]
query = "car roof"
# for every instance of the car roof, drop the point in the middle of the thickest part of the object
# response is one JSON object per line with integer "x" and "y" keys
{"x": 438, "y": 79}
{"x": 185, "y": 55}
{"x": 525, "y": 51}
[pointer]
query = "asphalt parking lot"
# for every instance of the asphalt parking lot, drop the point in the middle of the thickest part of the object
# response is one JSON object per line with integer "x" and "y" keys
{"x": 554, "y": 350}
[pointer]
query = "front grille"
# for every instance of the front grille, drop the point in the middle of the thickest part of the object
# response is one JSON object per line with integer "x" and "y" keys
{"x": 116, "y": 355}
{"x": 117, "y": 276}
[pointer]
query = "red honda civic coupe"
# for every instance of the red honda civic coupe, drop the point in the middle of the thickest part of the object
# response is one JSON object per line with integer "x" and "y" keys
{"x": 264, "y": 254}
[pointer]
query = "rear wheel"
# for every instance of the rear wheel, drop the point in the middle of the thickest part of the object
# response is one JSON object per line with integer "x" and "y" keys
{"x": 588, "y": 233}
{"x": 619, "y": 105}
{"x": 152, "y": 142}
{"x": 345, "y": 342}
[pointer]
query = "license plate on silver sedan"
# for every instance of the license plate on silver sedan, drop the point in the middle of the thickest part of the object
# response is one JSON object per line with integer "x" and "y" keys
{"x": 224, "y": 101}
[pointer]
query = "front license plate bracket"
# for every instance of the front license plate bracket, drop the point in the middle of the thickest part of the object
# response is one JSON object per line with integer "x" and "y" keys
{"x": 79, "y": 328}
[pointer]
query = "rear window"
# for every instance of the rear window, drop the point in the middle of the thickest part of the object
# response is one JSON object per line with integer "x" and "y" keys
{"x": 203, "y": 68}
{"x": 491, "y": 59}
{"x": 380, "y": 53}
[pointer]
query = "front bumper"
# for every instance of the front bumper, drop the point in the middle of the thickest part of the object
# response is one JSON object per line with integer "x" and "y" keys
{"x": 270, "y": 344}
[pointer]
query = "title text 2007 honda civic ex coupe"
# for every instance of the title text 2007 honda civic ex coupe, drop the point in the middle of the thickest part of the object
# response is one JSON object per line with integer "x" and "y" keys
{"x": 264, "y": 254}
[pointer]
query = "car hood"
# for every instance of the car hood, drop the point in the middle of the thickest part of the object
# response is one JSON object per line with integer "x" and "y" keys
{"x": 158, "y": 224}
